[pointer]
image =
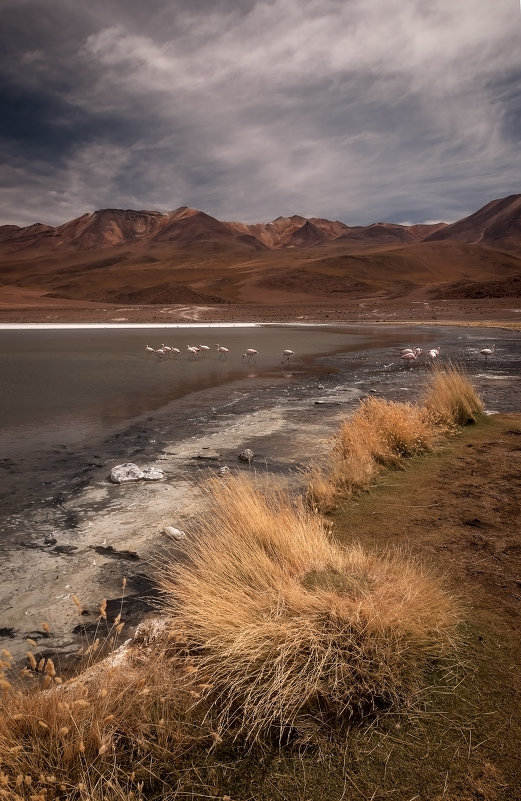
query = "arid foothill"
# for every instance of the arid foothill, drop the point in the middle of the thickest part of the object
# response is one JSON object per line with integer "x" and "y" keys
{"x": 185, "y": 264}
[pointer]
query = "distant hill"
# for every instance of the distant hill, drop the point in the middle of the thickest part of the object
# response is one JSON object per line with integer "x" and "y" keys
{"x": 188, "y": 256}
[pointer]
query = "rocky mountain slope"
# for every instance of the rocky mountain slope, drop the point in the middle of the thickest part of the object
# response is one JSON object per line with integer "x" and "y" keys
{"x": 188, "y": 256}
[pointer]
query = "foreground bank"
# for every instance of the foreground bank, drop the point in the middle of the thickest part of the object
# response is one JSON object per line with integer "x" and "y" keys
{"x": 458, "y": 735}
{"x": 87, "y": 534}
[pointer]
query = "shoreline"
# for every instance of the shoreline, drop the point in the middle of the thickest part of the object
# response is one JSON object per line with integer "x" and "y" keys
{"x": 116, "y": 531}
{"x": 106, "y": 532}
{"x": 376, "y": 309}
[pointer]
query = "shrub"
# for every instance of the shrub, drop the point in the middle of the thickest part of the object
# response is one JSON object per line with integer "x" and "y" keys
{"x": 292, "y": 630}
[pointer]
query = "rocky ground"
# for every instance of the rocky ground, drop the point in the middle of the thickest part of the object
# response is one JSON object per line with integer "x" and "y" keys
{"x": 472, "y": 311}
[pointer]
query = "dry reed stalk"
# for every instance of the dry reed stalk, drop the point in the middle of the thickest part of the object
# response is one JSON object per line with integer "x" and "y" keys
{"x": 379, "y": 434}
{"x": 449, "y": 398}
{"x": 120, "y": 717}
{"x": 131, "y": 719}
{"x": 288, "y": 627}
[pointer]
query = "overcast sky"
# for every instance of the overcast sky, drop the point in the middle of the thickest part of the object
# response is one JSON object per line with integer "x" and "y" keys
{"x": 356, "y": 110}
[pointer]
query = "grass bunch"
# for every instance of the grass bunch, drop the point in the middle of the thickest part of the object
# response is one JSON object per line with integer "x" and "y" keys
{"x": 114, "y": 732}
{"x": 379, "y": 434}
{"x": 291, "y": 631}
{"x": 449, "y": 398}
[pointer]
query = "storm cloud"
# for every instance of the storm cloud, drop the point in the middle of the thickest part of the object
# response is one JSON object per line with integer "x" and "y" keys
{"x": 357, "y": 110}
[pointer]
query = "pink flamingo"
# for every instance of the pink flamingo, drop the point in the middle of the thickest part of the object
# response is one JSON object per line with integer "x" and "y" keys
{"x": 488, "y": 352}
{"x": 222, "y": 351}
{"x": 250, "y": 354}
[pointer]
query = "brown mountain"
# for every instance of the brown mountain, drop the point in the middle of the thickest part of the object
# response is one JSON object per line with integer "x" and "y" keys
{"x": 498, "y": 224}
{"x": 189, "y": 257}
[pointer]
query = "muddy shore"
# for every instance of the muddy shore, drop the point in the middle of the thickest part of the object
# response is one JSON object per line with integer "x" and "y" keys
{"x": 82, "y": 536}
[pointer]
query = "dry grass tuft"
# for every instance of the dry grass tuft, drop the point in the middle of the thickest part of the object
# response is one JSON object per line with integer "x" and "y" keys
{"x": 290, "y": 630}
{"x": 379, "y": 434}
{"x": 116, "y": 731}
{"x": 450, "y": 399}
{"x": 385, "y": 433}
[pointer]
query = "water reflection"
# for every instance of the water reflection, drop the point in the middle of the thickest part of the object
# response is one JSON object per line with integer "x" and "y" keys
{"x": 64, "y": 386}
{"x": 69, "y": 386}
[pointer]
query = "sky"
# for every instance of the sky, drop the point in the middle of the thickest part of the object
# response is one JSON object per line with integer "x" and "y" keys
{"x": 356, "y": 110}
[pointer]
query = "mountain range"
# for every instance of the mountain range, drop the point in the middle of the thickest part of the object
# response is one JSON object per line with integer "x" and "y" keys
{"x": 188, "y": 256}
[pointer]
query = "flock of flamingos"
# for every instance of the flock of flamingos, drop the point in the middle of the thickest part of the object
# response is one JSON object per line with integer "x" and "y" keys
{"x": 409, "y": 355}
{"x": 413, "y": 354}
{"x": 193, "y": 352}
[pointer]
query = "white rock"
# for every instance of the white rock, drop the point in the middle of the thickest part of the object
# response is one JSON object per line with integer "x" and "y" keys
{"x": 246, "y": 455}
{"x": 176, "y": 533}
{"x": 126, "y": 472}
{"x": 153, "y": 474}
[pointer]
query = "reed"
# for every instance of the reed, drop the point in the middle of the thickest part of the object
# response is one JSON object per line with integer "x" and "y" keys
{"x": 291, "y": 631}
{"x": 114, "y": 732}
{"x": 449, "y": 398}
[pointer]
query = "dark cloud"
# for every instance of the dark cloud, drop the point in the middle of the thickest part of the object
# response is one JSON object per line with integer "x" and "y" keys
{"x": 360, "y": 111}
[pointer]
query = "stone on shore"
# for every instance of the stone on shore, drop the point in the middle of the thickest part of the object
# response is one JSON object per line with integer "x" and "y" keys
{"x": 126, "y": 472}
{"x": 153, "y": 474}
{"x": 175, "y": 533}
{"x": 129, "y": 471}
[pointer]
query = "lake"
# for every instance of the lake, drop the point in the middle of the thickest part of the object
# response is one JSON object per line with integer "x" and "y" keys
{"x": 65, "y": 386}
{"x": 74, "y": 399}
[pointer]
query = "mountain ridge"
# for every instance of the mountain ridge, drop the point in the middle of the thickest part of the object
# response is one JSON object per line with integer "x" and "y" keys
{"x": 188, "y": 256}
{"x": 495, "y": 223}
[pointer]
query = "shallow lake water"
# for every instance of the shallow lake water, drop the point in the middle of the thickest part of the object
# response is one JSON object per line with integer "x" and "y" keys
{"x": 64, "y": 386}
{"x": 73, "y": 399}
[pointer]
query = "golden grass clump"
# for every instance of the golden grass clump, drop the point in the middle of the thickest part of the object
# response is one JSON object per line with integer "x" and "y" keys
{"x": 119, "y": 727}
{"x": 388, "y": 430}
{"x": 450, "y": 399}
{"x": 290, "y": 630}
{"x": 379, "y": 434}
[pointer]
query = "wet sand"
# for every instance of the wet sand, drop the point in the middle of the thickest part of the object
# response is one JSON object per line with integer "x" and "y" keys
{"x": 84, "y": 535}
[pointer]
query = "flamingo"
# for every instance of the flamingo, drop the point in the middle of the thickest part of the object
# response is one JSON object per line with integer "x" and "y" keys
{"x": 149, "y": 349}
{"x": 488, "y": 352}
{"x": 160, "y": 352}
{"x": 286, "y": 355}
{"x": 222, "y": 351}
{"x": 192, "y": 351}
{"x": 167, "y": 349}
{"x": 204, "y": 348}
{"x": 176, "y": 352}
{"x": 433, "y": 353}
{"x": 250, "y": 354}
{"x": 409, "y": 357}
